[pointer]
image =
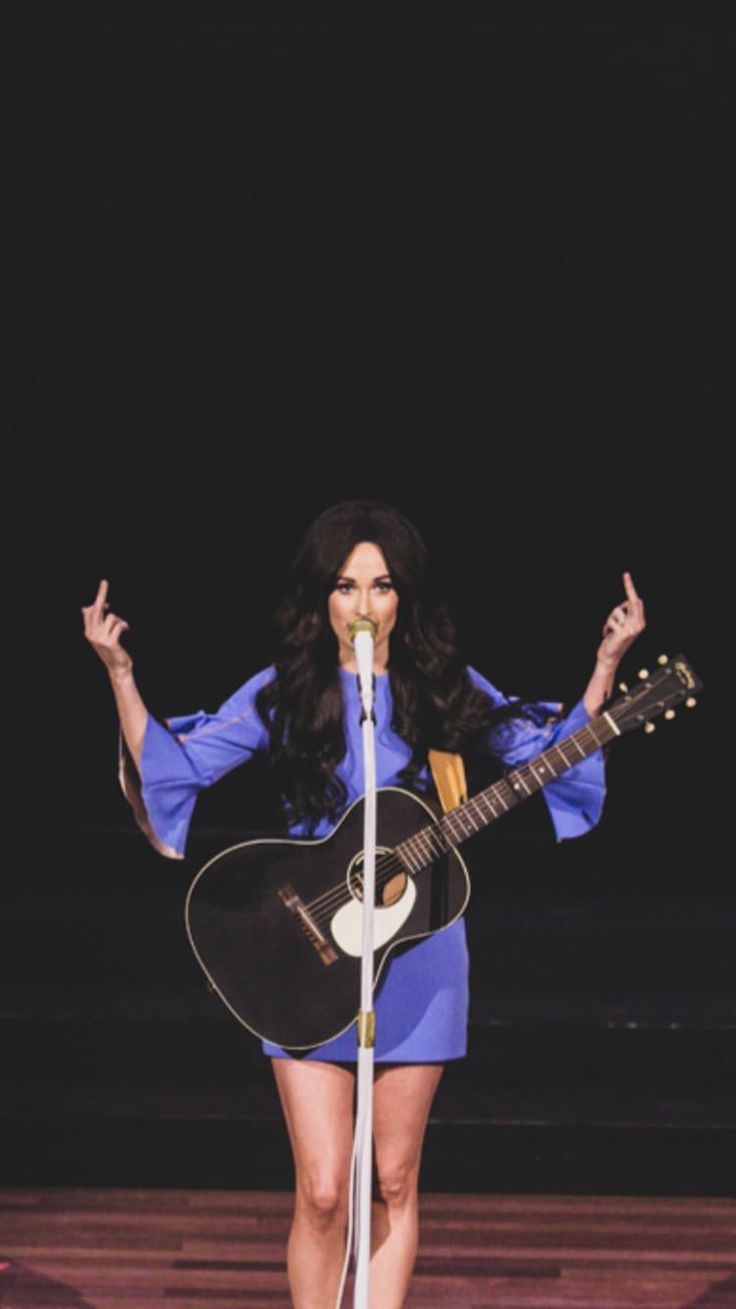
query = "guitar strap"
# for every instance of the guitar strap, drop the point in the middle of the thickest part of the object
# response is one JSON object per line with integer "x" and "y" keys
{"x": 448, "y": 772}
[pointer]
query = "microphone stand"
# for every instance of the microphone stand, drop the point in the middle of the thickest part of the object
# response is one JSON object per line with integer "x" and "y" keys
{"x": 362, "y": 632}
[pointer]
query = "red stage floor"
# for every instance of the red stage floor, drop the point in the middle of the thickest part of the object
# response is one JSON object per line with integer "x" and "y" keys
{"x": 143, "y": 1249}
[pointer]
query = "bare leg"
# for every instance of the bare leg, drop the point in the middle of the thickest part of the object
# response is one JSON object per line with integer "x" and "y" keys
{"x": 403, "y": 1095}
{"x": 317, "y": 1100}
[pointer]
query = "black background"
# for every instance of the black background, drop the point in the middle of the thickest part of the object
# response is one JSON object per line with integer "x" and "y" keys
{"x": 481, "y": 267}
{"x": 483, "y": 270}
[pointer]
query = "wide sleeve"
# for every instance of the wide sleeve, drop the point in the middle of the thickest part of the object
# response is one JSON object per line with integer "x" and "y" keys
{"x": 575, "y": 800}
{"x": 185, "y": 755}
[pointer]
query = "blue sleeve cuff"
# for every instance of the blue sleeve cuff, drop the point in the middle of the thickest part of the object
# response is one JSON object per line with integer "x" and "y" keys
{"x": 162, "y": 811}
{"x": 192, "y": 752}
{"x": 575, "y": 800}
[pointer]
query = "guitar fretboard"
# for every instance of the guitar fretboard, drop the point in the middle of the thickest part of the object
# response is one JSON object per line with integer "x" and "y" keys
{"x": 421, "y": 849}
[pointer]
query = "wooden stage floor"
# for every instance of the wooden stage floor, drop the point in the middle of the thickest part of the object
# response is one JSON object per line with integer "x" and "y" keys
{"x": 128, "y": 1249}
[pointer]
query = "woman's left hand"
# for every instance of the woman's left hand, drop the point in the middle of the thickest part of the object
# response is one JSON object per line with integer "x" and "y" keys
{"x": 622, "y": 626}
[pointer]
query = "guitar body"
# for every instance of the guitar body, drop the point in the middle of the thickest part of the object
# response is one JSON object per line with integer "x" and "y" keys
{"x": 277, "y": 924}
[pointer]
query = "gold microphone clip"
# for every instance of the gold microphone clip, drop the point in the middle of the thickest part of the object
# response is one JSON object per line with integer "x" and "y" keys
{"x": 362, "y": 625}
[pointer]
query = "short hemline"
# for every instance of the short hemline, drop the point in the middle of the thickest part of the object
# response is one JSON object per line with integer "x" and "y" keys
{"x": 379, "y": 1059}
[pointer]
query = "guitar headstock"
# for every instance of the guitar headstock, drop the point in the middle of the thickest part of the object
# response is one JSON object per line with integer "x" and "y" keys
{"x": 656, "y": 693}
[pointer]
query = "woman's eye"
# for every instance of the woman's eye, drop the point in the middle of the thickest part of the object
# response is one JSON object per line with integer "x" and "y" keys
{"x": 384, "y": 586}
{"x": 344, "y": 587}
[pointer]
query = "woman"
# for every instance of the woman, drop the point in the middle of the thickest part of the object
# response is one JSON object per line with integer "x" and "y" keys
{"x": 358, "y": 559}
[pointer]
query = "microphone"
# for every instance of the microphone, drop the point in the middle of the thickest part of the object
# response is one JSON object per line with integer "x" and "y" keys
{"x": 362, "y": 633}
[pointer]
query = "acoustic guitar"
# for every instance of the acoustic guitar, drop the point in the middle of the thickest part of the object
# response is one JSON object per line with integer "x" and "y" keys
{"x": 277, "y": 924}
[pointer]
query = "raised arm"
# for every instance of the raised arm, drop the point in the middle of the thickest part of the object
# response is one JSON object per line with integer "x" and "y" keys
{"x": 166, "y": 764}
{"x": 575, "y": 799}
{"x": 103, "y": 630}
{"x": 620, "y": 630}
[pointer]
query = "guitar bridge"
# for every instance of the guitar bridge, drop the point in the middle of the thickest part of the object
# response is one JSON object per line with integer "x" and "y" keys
{"x": 325, "y": 950}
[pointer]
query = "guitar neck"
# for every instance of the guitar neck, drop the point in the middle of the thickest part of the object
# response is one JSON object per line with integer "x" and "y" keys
{"x": 449, "y": 831}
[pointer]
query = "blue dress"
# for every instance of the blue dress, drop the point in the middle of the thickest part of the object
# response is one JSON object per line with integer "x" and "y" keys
{"x": 421, "y": 1002}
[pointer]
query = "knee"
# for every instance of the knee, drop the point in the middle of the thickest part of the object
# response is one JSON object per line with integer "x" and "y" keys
{"x": 397, "y": 1183}
{"x": 322, "y": 1200}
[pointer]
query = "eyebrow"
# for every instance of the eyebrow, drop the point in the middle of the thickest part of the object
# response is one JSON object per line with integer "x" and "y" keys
{"x": 345, "y": 577}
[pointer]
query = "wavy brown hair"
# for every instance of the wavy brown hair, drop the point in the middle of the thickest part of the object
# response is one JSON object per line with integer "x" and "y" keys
{"x": 434, "y": 702}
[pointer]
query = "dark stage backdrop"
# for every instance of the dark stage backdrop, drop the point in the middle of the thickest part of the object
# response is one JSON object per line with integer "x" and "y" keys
{"x": 483, "y": 271}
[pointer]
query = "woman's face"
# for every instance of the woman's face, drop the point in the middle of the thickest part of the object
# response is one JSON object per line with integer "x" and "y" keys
{"x": 364, "y": 589}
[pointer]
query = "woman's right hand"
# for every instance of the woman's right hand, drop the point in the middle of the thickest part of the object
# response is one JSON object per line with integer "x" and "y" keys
{"x": 103, "y": 631}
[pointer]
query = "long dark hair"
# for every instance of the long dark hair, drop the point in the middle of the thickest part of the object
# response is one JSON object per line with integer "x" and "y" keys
{"x": 434, "y": 701}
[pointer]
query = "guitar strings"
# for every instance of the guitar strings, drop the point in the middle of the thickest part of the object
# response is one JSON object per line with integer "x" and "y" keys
{"x": 321, "y": 909}
{"x": 390, "y": 866}
{"x": 324, "y": 905}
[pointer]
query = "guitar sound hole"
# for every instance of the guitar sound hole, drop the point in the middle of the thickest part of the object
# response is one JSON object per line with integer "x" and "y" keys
{"x": 389, "y": 889}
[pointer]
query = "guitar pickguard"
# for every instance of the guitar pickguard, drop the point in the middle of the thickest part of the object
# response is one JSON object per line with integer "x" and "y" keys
{"x": 347, "y": 924}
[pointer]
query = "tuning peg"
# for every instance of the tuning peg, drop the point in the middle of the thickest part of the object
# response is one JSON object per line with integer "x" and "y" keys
{"x": 622, "y": 687}
{"x": 662, "y": 659}
{"x": 649, "y": 727}
{"x": 643, "y": 672}
{"x": 669, "y": 713}
{"x": 691, "y": 702}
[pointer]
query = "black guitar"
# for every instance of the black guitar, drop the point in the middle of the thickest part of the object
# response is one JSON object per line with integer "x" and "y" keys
{"x": 277, "y": 924}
